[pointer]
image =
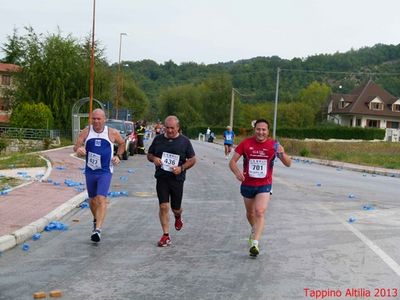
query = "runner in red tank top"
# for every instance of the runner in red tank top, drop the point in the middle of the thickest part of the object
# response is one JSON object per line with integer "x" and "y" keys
{"x": 259, "y": 152}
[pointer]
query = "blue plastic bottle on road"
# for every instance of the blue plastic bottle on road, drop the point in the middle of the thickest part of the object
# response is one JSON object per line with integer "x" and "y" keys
{"x": 36, "y": 236}
{"x": 25, "y": 247}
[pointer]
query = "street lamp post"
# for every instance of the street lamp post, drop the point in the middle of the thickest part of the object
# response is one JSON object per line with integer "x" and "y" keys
{"x": 91, "y": 79}
{"x": 119, "y": 87}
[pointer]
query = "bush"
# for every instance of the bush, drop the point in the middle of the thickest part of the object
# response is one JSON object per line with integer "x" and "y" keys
{"x": 326, "y": 133}
{"x": 3, "y": 144}
{"x": 36, "y": 116}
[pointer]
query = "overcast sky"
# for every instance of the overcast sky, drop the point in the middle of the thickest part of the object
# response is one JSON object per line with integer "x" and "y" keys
{"x": 211, "y": 31}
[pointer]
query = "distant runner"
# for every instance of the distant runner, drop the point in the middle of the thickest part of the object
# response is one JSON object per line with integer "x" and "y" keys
{"x": 229, "y": 136}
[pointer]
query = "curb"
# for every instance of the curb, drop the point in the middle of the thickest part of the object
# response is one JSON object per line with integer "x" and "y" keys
{"x": 21, "y": 235}
{"x": 351, "y": 167}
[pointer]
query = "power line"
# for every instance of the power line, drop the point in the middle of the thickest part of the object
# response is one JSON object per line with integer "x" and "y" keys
{"x": 339, "y": 72}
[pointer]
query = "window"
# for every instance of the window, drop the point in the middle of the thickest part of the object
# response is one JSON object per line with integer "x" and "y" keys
{"x": 358, "y": 122}
{"x": 376, "y": 106}
{"x": 394, "y": 125}
{"x": 5, "y": 79}
{"x": 373, "y": 123}
{"x": 396, "y": 107}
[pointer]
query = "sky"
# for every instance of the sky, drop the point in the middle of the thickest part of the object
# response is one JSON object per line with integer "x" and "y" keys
{"x": 210, "y": 31}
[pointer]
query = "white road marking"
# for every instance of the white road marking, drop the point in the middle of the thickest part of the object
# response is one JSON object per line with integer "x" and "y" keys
{"x": 378, "y": 251}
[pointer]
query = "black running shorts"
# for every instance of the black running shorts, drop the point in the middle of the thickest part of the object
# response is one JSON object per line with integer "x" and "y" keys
{"x": 170, "y": 189}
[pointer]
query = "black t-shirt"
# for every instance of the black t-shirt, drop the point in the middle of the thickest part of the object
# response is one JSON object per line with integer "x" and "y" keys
{"x": 179, "y": 146}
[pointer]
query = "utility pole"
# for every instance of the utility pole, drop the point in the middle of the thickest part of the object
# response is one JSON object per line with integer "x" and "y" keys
{"x": 232, "y": 105}
{"x": 276, "y": 101}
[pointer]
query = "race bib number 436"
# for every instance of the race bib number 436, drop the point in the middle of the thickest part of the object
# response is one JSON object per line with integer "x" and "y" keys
{"x": 169, "y": 161}
{"x": 257, "y": 168}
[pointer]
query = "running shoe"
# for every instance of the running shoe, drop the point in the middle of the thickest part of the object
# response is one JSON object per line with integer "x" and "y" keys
{"x": 178, "y": 222}
{"x": 164, "y": 241}
{"x": 96, "y": 235}
{"x": 254, "y": 251}
{"x": 251, "y": 237}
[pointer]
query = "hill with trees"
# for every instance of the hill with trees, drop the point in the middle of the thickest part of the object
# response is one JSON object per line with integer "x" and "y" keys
{"x": 56, "y": 73}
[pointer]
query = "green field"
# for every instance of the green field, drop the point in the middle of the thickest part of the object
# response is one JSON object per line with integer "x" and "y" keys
{"x": 376, "y": 154}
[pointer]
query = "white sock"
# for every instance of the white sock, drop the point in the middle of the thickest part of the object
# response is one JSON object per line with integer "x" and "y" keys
{"x": 255, "y": 243}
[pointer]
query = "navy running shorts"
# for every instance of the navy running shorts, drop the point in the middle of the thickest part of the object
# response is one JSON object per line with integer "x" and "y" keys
{"x": 251, "y": 191}
{"x": 98, "y": 184}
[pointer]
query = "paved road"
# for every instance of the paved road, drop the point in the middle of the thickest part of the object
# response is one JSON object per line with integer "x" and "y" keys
{"x": 308, "y": 243}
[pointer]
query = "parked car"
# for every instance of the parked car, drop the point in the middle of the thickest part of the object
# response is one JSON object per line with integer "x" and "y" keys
{"x": 121, "y": 126}
{"x": 132, "y": 137}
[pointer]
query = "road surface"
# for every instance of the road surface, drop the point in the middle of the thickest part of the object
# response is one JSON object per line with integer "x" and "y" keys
{"x": 308, "y": 247}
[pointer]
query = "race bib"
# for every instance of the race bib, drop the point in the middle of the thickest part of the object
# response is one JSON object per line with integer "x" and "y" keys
{"x": 257, "y": 168}
{"x": 169, "y": 161}
{"x": 94, "y": 161}
{"x": 229, "y": 137}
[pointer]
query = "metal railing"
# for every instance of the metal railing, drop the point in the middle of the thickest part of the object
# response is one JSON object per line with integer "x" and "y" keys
{"x": 28, "y": 133}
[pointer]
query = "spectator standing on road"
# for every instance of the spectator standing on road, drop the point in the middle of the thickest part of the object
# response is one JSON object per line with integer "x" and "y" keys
{"x": 229, "y": 136}
{"x": 172, "y": 154}
{"x": 208, "y": 132}
{"x": 96, "y": 142}
{"x": 259, "y": 152}
{"x": 140, "y": 131}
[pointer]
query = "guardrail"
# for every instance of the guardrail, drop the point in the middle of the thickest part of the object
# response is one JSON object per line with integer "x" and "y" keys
{"x": 29, "y": 133}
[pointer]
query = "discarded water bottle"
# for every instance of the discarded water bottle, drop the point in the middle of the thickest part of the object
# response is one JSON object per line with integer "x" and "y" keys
{"x": 368, "y": 207}
{"x": 124, "y": 193}
{"x": 84, "y": 205}
{"x": 351, "y": 196}
{"x": 123, "y": 178}
{"x": 131, "y": 171}
{"x": 25, "y": 247}
{"x": 318, "y": 184}
{"x": 36, "y": 236}
{"x": 56, "y": 183}
{"x": 3, "y": 193}
{"x": 351, "y": 220}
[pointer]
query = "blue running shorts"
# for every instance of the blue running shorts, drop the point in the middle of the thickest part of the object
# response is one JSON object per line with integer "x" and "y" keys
{"x": 251, "y": 191}
{"x": 98, "y": 184}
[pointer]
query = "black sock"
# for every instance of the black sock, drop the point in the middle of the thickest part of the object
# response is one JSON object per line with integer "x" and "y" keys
{"x": 166, "y": 234}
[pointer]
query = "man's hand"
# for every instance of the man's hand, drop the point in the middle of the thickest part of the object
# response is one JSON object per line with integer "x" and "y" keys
{"x": 81, "y": 151}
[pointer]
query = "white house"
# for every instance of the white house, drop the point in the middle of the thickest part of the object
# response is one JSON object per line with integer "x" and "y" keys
{"x": 368, "y": 106}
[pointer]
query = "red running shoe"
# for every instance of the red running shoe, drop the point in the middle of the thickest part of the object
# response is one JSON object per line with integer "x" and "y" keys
{"x": 178, "y": 223}
{"x": 164, "y": 241}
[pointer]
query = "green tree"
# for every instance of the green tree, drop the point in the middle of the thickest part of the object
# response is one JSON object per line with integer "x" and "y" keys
{"x": 36, "y": 115}
{"x": 184, "y": 102}
{"x": 295, "y": 114}
{"x": 134, "y": 99}
{"x": 315, "y": 96}
{"x": 55, "y": 71}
